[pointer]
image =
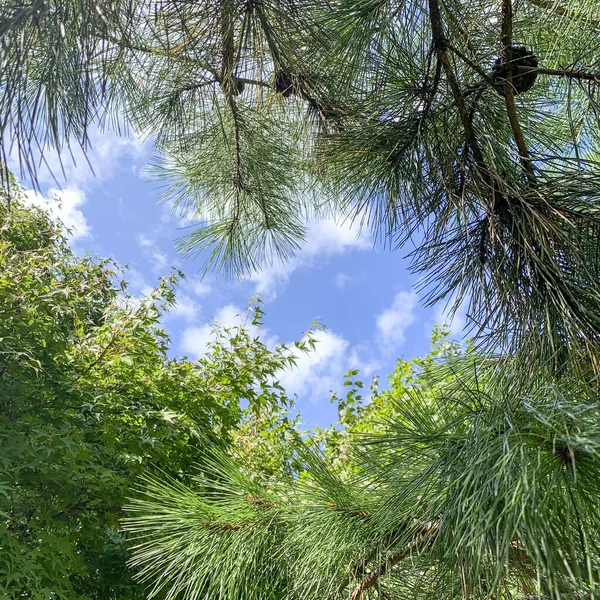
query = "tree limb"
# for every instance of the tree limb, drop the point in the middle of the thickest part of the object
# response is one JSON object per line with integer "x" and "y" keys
{"x": 509, "y": 92}
{"x": 562, "y": 73}
{"x": 441, "y": 45}
{"x": 506, "y": 30}
{"x": 415, "y": 546}
{"x": 471, "y": 64}
{"x": 511, "y": 111}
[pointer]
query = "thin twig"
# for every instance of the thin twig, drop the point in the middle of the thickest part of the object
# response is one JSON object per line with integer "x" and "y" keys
{"x": 471, "y": 64}
{"x": 464, "y": 34}
{"x": 587, "y": 75}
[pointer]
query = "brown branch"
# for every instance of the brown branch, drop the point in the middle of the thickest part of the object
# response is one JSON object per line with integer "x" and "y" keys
{"x": 509, "y": 91}
{"x": 126, "y": 44}
{"x": 562, "y": 73}
{"x": 358, "y": 571}
{"x": 244, "y": 80}
{"x": 506, "y": 31}
{"x": 523, "y": 70}
{"x": 564, "y": 11}
{"x": 227, "y": 47}
{"x": 415, "y": 546}
{"x": 471, "y": 64}
{"x": 441, "y": 45}
{"x": 511, "y": 111}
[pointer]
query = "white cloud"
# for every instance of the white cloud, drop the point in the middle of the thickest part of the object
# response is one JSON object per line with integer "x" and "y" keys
{"x": 144, "y": 241}
{"x": 157, "y": 259}
{"x": 325, "y": 238}
{"x": 188, "y": 308}
{"x": 195, "y": 339}
{"x": 106, "y": 153}
{"x": 319, "y": 371}
{"x": 200, "y": 288}
{"x": 137, "y": 283}
{"x": 393, "y": 322}
{"x": 269, "y": 279}
{"x": 137, "y": 289}
{"x": 367, "y": 366}
{"x": 185, "y": 308}
{"x": 160, "y": 260}
{"x": 316, "y": 373}
{"x": 64, "y": 205}
{"x": 342, "y": 280}
{"x": 75, "y": 167}
{"x": 231, "y": 315}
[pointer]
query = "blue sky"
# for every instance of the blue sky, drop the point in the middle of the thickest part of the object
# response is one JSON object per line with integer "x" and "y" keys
{"x": 362, "y": 293}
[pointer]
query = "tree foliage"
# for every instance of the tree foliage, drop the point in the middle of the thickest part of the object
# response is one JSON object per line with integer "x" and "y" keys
{"x": 90, "y": 400}
{"x": 469, "y": 127}
{"x": 465, "y": 479}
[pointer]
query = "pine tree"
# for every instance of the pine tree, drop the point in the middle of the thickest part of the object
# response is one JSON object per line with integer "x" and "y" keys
{"x": 468, "y": 127}
{"x": 467, "y": 481}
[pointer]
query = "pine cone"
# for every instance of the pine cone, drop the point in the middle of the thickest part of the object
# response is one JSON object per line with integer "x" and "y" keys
{"x": 513, "y": 70}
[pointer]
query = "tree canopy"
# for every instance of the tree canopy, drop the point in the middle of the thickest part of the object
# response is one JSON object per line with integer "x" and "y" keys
{"x": 90, "y": 400}
{"x": 470, "y": 130}
{"x": 465, "y": 479}
{"x": 468, "y": 127}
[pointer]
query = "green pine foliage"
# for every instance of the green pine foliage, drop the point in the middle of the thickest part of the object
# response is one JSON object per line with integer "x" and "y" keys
{"x": 464, "y": 479}
{"x": 469, "y": 128}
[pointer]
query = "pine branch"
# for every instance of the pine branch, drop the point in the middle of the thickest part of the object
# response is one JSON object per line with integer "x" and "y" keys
{"x": 171, "y": 54}
{"x": 509, "y": 91}
{"x": 506, "y": 30}
{"x": 227, "y": 69}
{"x": 20, "y": 16}
{"x": 586, "y": 75}
{"x": 227, "y": 47}
{"x": 511, "y": 111}
{"x": 464, "y": 34}
{"x": 441, "y": 45}
{"x": 471, "y": 64}
{"x": 415, "y": 546}
{"x": 358, "y": 571}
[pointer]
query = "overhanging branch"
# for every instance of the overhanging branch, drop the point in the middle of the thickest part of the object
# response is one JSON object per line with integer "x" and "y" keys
{"x": 586, "y": 75}
{"x": 509, "y": 91}
{"x": 441, "y": 46}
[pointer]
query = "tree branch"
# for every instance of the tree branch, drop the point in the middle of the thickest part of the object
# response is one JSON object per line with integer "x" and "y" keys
{"x": 511, "y": 111}
{"x": 471, "y": 64}
{"x": 509, "y": 91}
{"x": 441, "y": 45}
{"x": 506, "y": 31}
{"x": 562, "y": 73}
{"x": 415, "y": 546}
